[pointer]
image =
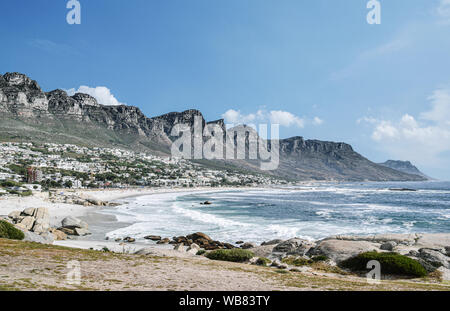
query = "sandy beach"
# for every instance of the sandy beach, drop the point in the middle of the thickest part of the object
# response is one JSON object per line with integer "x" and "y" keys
{"x": 99, "y": 223}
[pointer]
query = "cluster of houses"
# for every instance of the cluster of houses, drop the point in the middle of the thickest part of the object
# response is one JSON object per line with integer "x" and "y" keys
{"x": 70, "y": 166}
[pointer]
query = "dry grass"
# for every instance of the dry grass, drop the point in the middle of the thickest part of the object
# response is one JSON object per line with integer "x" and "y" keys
{"x": 32, "y": 266}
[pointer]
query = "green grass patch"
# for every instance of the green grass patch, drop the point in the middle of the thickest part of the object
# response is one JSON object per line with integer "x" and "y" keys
{"x": 200, "y": 252}
{"x": 391, "y": 263}
{"x": 8, "y": 231}
{"x": 234, "y": 255}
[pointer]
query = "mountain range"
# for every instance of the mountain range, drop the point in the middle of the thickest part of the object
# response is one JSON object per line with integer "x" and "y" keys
{"x": 29, "y": 114}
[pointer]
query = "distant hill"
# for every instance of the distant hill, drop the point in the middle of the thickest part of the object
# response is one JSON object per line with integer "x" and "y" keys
{"x": 29, "y": 114}
{"x": 405, "y": 167}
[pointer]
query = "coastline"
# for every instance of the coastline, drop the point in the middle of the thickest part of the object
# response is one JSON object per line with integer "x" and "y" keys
{"x": 166, "y": 258}
{"x": 99, "y": 222}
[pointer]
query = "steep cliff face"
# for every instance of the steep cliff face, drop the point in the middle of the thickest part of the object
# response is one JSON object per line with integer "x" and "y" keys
{"x": 29, "y": 114}
{"x": 21, "y": 95}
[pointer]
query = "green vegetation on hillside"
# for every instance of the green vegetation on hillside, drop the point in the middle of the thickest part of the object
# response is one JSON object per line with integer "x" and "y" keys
{"x": 8, "y": 231}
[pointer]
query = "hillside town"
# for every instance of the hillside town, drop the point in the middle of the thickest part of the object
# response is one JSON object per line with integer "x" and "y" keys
{"x": 27, "y": 167}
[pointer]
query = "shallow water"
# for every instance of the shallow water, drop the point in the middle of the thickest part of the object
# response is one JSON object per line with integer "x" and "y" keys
{"x": 311, "y": 212}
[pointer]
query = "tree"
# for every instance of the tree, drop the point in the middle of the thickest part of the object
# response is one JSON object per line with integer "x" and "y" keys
{"x": 68, "y": 184}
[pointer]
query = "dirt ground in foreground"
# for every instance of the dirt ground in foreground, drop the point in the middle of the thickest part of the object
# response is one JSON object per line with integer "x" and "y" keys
{"x": 32, "y": 266}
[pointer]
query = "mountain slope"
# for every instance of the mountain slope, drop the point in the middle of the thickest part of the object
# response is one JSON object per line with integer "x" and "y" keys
{"x": 29, "y": 114}
{"x": 405, "y": 167}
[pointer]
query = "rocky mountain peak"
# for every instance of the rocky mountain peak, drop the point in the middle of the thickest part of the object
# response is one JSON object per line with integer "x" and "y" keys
{"x": 404, "y": 166}
{"x": 57, "y": 117}
{"x": 85, "y": 99}
{"x": 20, "y": 80}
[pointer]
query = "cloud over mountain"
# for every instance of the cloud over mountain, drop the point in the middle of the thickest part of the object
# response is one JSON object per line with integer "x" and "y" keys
{"x": 424, "y": 138}
{"x": 283, "y": 118}
{"x": 102, "y": 94}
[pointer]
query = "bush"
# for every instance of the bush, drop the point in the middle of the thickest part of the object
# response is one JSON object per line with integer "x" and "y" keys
{"x": 292, "y": 261}
{"x": 319, "y": 258}
{"x": 263, "y": 261}
{"x": 8, "y": 231}
{"x": 391, "y": 263}
{"x": 200, "y": 252}
{"x": 234, "y": 255}
{"x": 10, "y": 183}
{"x": 303, "y": 261}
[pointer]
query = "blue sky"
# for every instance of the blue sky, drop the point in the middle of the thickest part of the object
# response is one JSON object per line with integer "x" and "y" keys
{"x": 316, "y": 66}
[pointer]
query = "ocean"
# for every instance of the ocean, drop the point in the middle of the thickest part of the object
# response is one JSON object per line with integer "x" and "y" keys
{"x": 312, "y": 212}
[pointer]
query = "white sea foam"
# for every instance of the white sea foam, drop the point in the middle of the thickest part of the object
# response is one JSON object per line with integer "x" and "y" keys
{"x": 259, "y": 215}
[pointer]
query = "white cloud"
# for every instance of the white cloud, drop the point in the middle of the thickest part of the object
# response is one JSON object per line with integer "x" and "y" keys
{"x": 443, "y": 10}
{"x": 317, "y": 121}
{"x": 440, "y": 111}
{"x": 423, "y": 140}
{"x": 236, "y": 117}
{"x": 100, "y": 93}
{"x": 283, "y": 118}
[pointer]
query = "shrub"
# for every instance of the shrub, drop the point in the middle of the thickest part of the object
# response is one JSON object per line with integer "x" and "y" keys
{"x": 292, "y": 261}
{"x": 8, "y": 231}
{"x": 391, "y": 263}
{"x": 319, "y": 258}
{"x": 263, "y": 261}
{"x": 234, "y": 255}
{"x": 201, "y": 252}
{"x": 299, "y": 261}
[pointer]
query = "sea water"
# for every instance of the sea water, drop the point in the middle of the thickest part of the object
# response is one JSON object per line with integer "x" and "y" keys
{"x": 311, "y": 212}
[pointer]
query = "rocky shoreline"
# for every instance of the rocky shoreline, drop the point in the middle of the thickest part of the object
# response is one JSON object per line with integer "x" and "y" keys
{"x": 432, "y": 251}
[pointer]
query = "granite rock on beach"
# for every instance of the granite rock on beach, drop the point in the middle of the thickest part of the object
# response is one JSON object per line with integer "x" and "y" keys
{"x": 35, "y": 224}
{"x": 431, "y": 250}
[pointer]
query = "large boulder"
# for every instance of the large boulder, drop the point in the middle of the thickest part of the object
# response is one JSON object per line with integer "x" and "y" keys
{"x": 82, "y": 232}
{"x": 434, "y": 257}
{"x": 180, "y": 248}
{"x": 163, "y": 241}
{"x": 388, "y": 246}
{"x": 58, "y": 234}
{"x": 340, "y": 250}
{"x": 272, "y": 242}
{"x": 153, "y": 237}
{"x": 27, "y": 222}
{"x": 198, "y": 235}
{"x": 248, "y": 245}
{"x": 41, "y": 225}
{"x": 294, "y": 246}
{"x": 405, "y": 239}
{"x": 28, "y": 211}
{"x": 15, "y": 215}
{"x": 34, "y": 237}
{"x": 41, "y": 213}
{"x": 72, "y": 223}
{"x": 263, "y": 251}
{"x": 193, "y": 249}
